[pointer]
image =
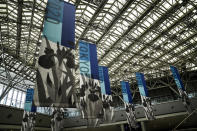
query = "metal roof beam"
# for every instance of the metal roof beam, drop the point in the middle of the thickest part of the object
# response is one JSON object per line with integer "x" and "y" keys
{"x": 169, "y": 13}
{"x": 192, "y": 36}
{"x": 77, "y": 3}
{"x": 131, "y": 27}
{"x": 19, "y": 20}
{"x": 30, "y": 29}
{"x": 99, "y": 9}
{"x": 116, "y": 18}
{"x": 10, "y": 20}
{"x": 188, "y": 47}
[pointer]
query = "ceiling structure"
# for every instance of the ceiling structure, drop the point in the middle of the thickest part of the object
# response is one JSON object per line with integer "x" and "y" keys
{"x": 131, "y": 35}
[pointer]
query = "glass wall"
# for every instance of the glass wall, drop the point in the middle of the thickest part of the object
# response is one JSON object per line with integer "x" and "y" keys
{"x": 15, "y": 97}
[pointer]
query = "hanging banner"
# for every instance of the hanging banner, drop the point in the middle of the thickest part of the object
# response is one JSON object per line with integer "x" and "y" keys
{"x": 107, "y": 101}
{"x": 59, "y": 23}
{"x": 90, "y": 92}
{"x": 88, "y": 60}
{"x": 55, "y": 75}
{"x": 29, "y": 105}
{"x": 177, "y": 78}
{"x": 55, "y": 66}
{"x": 141, "y": 84}
{"x": 126, "y": 92}
{"x": 90, "y": 100}
{"x": 181, "y": 89}
{"x": 129, "y": 107}
{"x": 144, "y": 96}
{"x": 104, "y": 80}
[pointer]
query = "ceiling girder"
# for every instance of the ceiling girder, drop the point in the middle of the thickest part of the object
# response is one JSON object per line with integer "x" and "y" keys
{"x": 19, "y": 20}
{"x": 99, "y": 9}
{"x": 116, "y": 18}
{"x": 169, "y": 13}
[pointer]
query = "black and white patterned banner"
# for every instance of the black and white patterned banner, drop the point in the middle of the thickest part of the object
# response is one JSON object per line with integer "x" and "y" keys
{"x": 90, "y": 100}
{"x": 55, "y": 75}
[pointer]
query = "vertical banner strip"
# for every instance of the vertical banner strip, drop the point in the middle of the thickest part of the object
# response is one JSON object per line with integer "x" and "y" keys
{"x": 68, "y": 27}
{"x": 127, "y": 96}
{"x": 93, "y": 62}
{"x": 88, "y": 60}
{"x": 177, "y": 78}
{"x": 29, "y": 101}
{"x": 59, "y": 24}
{"x": 141, "y": 84}
{"x": 104, "y": 80}
{"x": 55, "y": 65}
{"x": 84, "y": 59}
{"x": 90, "y": 94}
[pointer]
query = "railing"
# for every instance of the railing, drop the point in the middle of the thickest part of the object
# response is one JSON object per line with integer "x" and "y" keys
{"x": 16, "y": 98}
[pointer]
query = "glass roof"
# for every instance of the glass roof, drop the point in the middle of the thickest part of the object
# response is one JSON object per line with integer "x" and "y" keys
{"x": 131, "y": 35}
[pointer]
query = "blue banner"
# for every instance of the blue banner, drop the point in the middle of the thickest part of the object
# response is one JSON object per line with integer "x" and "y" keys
{"x": 177, "y": 77}
{"x": 29, "y": 101}
{"x": 59, "y": 24}
{"x": 127, "y": 96}
{"x": 88, "y": 63}
{"x": 104, "y": 80}
{"x": 141, "y": 84}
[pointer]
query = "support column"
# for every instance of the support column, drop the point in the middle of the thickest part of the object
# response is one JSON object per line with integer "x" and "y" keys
{"x": 122, "y": 127}
{"x": 143, "y": 126}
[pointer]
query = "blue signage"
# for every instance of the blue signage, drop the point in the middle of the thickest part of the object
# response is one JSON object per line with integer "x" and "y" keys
{"x": 29, "y": 101}
{"x": 59, "y": 24}
{"x": 177, "y": 78}
{"x": 88, "y": 63}
{"x": 141, "y": 84}
{"x": 104, "y": 80}
{"x": 127, "y": 96}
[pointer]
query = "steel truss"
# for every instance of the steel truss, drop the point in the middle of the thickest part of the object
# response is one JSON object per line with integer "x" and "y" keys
{"x": 131, "y": 36}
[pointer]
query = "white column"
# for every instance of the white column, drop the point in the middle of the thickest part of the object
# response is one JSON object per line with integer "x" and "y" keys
{"x": 122, "y": 127}
{"x": 143, "y": 126}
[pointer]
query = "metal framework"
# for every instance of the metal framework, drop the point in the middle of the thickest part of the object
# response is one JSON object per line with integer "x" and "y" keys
{"x": 131, "y": 36}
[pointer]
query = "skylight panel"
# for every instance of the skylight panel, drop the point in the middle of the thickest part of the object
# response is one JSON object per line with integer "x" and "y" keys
{"x": 140, "y": 9}
{"x": 106, "y": 20}
{"x": 135, "y": 13}
{"x": 140, "y": 29}
{"x": 109, "y": 17}
{"x": 146, "y": 23}
{"x": 117, "y": 32}
{"x": 81, "y": 6}
{"x": 132, "y": 17}
{"x": 96, "y": 33}
{"x": 91, "y": 10}
{"x": 134, "y": 35}
{"x": 166, "y": 5}
{"x": 114, "y": 9}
